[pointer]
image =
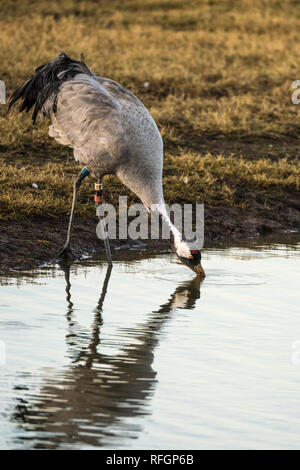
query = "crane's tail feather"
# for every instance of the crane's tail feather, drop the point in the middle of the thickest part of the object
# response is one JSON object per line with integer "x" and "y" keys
{"x": 42, "y": 88}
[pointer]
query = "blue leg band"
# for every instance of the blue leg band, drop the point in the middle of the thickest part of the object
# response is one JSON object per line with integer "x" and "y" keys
{"x": 85, "y": 172}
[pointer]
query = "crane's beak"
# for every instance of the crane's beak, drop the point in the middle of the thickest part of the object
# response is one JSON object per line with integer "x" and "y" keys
{"x": 194, "y": 263}
{"x": 199, "y": 270}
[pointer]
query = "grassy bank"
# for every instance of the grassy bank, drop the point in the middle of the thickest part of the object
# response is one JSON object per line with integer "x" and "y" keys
{"x": 219, "y": 75}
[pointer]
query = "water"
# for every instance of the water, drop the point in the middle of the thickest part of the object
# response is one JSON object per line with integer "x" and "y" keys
{"x": 153, "y": 359}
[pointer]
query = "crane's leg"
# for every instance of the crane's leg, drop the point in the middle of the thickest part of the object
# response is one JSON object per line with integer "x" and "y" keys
{"x": 98, "y": 198}
{"x": 66, "y": 252}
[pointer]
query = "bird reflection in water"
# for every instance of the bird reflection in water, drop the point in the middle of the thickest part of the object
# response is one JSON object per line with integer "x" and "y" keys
{"x": 99, "y": 399}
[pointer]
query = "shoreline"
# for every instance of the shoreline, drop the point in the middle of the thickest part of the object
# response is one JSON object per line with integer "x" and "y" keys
{"x": 32, "y": 243}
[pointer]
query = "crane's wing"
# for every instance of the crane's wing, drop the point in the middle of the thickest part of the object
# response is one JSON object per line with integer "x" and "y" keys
{"x": 118, "y": 91}
{"x": 87, "y": 117}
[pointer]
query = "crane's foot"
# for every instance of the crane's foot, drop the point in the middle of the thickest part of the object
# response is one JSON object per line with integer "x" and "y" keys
{"x": 66, "y": 254}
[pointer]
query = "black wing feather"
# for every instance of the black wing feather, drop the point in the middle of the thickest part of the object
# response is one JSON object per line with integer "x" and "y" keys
{"x": 45, "y": 84}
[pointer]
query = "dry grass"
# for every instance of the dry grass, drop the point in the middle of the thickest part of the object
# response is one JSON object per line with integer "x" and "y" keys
{"x": 220, "y": 75}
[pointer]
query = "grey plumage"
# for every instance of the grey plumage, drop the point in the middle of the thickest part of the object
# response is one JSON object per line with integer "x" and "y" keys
{"x": 109, "y": 129}
{"x": 111, "y": 132}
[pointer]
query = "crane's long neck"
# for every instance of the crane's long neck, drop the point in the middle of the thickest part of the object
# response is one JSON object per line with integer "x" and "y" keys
{"x": 180, "y": 245}
{"x": 146, "y": 182}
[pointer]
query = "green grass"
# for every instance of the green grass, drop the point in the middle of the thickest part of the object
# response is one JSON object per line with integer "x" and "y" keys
{"x": 220, "y": 75}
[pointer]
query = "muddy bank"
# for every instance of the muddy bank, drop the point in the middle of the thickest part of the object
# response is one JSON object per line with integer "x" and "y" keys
{"x": 28, "y": 244}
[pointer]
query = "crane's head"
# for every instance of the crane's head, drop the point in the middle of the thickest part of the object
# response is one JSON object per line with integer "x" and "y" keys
{"x": 190, "y": 257}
